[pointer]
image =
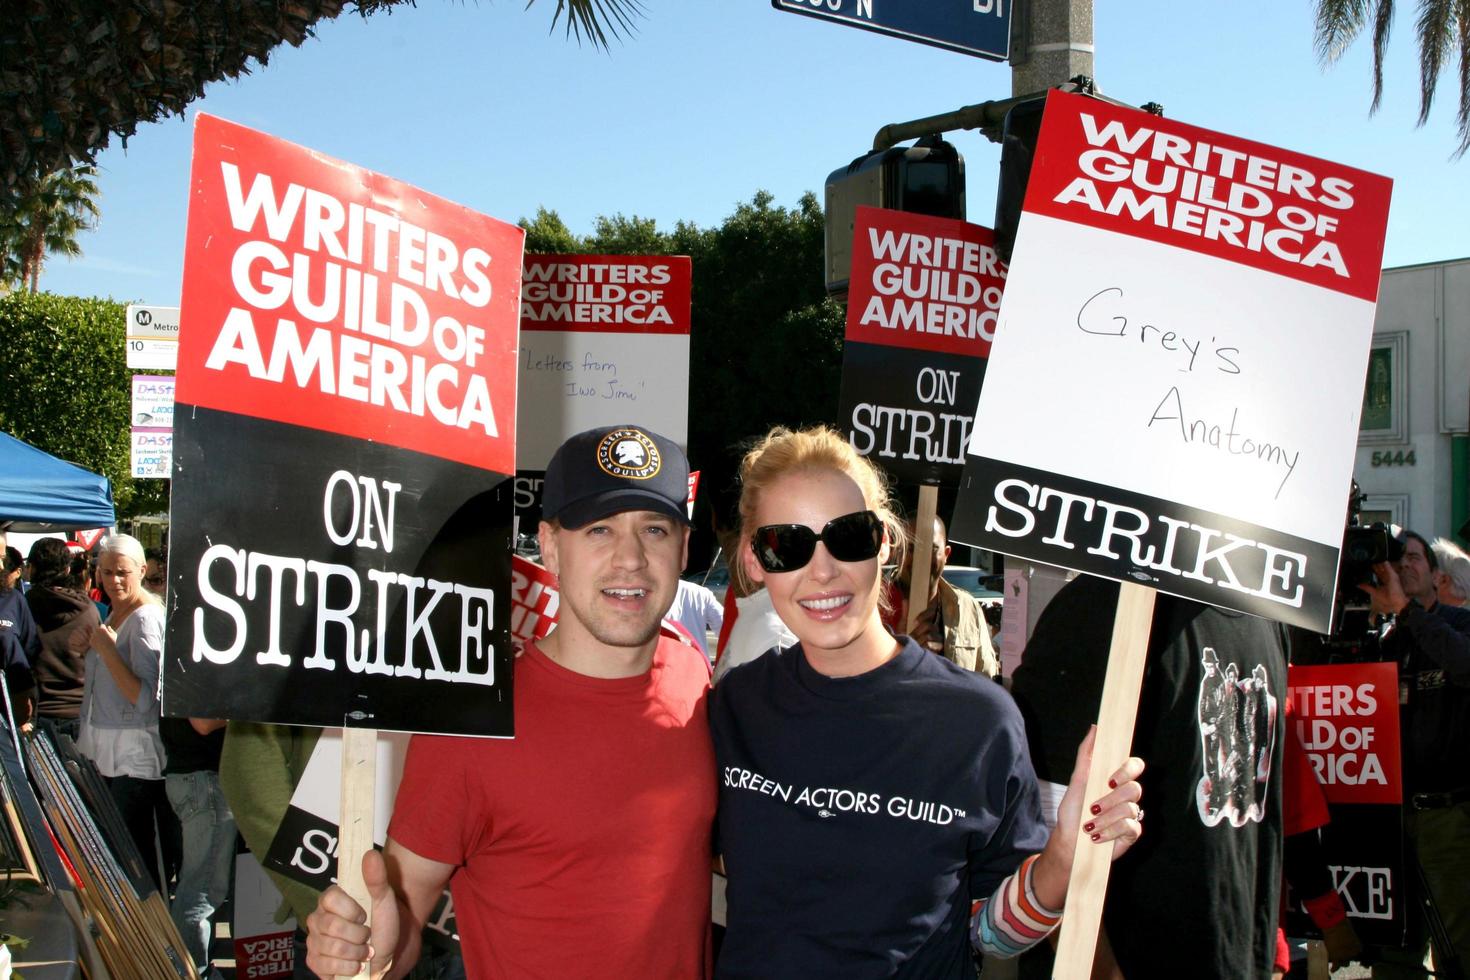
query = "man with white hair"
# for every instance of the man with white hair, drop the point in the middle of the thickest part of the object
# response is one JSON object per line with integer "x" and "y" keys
{"x": 1430, "y": 641}
{"x": 1452, "y": 580}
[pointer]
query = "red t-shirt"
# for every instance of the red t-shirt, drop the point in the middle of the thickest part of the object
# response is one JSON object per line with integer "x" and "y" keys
{"x": 584, "y": 842}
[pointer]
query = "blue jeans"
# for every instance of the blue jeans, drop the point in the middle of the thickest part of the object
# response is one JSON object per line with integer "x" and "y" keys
{"x": 209, "y": 858}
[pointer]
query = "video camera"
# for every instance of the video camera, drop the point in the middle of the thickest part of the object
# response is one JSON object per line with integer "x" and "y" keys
{"x": 1353, "y": 637}
{"x": 1362, "y": 548}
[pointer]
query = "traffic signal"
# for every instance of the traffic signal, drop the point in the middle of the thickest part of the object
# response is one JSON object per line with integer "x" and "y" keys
{"x": 1017, "y": 148}
{"x": 926, "y": 178}
{"x": 1019, "y": 132}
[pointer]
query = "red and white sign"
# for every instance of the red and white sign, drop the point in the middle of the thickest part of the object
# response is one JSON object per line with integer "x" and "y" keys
{"x": 263, "y": 946}
{"x": 604, "y": 338}
{"x": 88, "y": 539}
{"x": 923, "y": 283}
{"x": 315, "y": 289}
{"x": 343, "y": 447}
{"x": 534, "y": 600}
{"x": 1347, "y": 716}
{"x": 693, "y": 489}
{"x": 1187, "y": 320}
{"x": 921, "y": 313}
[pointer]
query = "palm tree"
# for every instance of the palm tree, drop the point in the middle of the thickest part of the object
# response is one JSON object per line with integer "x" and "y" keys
{"x": 44, "y": 217}
{"x": 585, "y": 18}
{"x": 1444, "y": 30}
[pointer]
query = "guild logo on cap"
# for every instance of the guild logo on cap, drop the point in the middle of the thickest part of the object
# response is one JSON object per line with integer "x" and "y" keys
{"x": 629, "y": 454}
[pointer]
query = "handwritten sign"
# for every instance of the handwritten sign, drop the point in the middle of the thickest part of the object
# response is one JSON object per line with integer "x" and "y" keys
{"x": 1187, "y": 320}
{"x": 604, "y": 339}
{"x": 921, "y": 312}
{"x": 344, "y": 445}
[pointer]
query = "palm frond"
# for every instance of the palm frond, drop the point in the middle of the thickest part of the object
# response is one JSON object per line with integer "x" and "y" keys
{"x": 1462, "y": 118}
{"x": 1436, "y": 33}
{"x": 1382, "y": 26}
{"x": 1339, "y": 22}
{"x": 594, "y": 20}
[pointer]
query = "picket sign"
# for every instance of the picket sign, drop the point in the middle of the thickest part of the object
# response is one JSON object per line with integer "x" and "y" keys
{"x": 923, "y": 549}
{"x": 1213, "y": 474}
{"x": 1088, "y": 886}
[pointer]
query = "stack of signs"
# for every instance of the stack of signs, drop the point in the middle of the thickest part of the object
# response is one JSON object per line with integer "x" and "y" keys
{"x": 1174, "y": 391}
{"x": 1347, "y": 721}
{"x": 153, "y": 425}
{"x": 921, "y": 313}
{"x": 604, "y": 341}
{"x": 344, "y": 447}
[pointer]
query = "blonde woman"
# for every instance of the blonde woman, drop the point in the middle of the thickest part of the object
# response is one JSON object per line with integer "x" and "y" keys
{"x": 879, "y": 816}
{"x": 119, "y": 730}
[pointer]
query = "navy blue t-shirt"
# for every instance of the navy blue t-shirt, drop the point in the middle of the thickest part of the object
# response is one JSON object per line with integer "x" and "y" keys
{"x": 860, "y": 816}
{"x": 20, "y": 643}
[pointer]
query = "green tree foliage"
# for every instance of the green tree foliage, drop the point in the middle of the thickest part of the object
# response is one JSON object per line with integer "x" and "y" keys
{"x": 44, "y": 217}
{"x": 547, "y": 234}
{"x": 1443, "y": 28}
{"x": 766, "y": 343}
{"x": 65, "y": 378}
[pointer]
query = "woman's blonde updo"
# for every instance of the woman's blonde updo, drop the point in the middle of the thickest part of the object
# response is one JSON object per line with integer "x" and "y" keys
{"x": 783, "y": 452}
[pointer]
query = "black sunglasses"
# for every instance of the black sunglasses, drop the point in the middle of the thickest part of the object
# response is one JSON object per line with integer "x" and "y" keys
{"x": 787, "y": 547}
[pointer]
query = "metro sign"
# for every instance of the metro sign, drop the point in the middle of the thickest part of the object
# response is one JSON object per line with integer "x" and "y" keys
{"x": 975, "y": 27}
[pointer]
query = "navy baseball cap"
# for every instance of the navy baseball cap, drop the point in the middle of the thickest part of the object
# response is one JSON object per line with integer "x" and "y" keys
{"x": 608, "y": 470}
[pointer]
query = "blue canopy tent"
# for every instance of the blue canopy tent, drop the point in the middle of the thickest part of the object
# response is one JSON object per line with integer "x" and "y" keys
{"x": 40, "y": 493}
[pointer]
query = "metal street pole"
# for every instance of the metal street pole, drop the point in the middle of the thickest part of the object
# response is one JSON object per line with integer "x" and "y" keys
{"x": 1051, "y": 41}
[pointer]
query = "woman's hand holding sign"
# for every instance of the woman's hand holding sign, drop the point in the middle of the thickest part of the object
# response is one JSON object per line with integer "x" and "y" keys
{"x": 1116, "y": 817}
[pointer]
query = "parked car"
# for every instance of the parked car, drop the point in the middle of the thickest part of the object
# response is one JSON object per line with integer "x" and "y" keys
{"x": 977, "y": 581}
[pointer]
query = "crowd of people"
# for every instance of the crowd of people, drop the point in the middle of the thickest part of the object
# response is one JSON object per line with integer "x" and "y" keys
{"x": 82, "y": 637}
{"x": 879, "y": 801}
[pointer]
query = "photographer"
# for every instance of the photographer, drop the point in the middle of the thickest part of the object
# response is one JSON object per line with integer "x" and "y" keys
{"x": 1430, "y": 641}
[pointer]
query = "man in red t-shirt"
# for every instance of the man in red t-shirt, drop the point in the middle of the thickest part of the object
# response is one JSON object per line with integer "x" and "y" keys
{"x": 582, "y": 846}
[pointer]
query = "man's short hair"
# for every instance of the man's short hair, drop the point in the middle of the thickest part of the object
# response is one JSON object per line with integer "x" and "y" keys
{"x": 1405, "y": 536}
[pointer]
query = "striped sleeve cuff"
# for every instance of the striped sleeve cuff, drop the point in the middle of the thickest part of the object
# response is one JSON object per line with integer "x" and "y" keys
{"x": 1011, "y": 921}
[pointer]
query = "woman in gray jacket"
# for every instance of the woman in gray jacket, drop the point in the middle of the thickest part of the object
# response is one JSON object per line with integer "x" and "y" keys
{"x": 120, "y": 702}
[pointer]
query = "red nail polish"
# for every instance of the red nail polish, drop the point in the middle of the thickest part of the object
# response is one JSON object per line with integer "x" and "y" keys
{"x": 1112, "y": 784}
{"x": 1096, "y": 809}
{"x": 1087, "y": 827}
{"x": 1095, "y": 836}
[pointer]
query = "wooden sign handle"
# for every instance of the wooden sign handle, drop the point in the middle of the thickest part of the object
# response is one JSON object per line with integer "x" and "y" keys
{"x": 923, "y": 545}
{"x": 355, "y": 836}
{"x": 1088, "y": 885}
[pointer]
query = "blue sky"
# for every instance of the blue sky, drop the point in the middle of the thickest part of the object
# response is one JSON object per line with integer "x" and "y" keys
{"x": 713, "y": 100}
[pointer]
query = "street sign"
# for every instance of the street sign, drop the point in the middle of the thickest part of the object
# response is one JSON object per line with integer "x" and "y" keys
{"x": 976, "y": 27}
{"x": 152, "y": 453}
{"x": 153, "y": 337}
{"x": 153, "y": 424}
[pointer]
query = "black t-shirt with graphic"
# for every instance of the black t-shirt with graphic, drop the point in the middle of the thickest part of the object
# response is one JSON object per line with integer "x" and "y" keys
{"x": 860, "y": 816}
{"x": 1197, "y": 896}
